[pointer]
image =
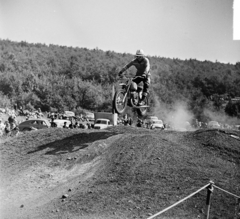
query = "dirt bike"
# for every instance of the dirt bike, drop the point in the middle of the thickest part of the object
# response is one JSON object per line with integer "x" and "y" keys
{"x": 129, "y": 93}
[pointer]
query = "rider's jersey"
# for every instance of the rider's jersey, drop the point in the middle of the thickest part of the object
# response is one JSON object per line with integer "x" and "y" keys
{"x": 143, "y": 66}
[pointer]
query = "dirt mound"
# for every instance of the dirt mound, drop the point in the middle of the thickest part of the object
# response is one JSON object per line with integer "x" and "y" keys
{"x": 122, "y": 172}
{"x": 223, "y": 142}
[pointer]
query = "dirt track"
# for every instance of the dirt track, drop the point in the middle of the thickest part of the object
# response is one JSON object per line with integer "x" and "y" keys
{"x": 121, "y": 172}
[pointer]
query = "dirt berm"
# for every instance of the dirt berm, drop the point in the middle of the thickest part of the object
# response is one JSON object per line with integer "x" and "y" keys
{"x": 121, "y": 172}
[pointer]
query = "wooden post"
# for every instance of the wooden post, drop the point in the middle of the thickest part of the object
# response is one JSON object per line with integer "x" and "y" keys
{"x": 113, "y": 93}
{"x": 208, "y": 202}
{"x": 237, "y": 209}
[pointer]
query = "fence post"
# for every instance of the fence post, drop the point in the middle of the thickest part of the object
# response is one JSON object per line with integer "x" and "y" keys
{"x": 209, "y": 193}
{"x": 237, "y": 209}
{"x": 113, "y": 93}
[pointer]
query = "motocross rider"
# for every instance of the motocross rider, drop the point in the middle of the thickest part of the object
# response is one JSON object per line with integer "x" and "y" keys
{"x": 142, "y": 65}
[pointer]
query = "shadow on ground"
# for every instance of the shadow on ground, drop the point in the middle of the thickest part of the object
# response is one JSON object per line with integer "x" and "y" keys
{"x": 73, "y": 143}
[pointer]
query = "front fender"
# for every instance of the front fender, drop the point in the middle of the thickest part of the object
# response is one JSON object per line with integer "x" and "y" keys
{"x": 122, "y": 86}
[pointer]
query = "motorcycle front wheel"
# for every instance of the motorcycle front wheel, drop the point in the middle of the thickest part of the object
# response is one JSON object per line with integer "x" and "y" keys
{"x": 119, "y": 105}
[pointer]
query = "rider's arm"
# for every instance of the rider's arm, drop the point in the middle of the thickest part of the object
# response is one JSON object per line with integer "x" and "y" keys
{"x": 126, "y": 67}
{"x": 147, "y": 67}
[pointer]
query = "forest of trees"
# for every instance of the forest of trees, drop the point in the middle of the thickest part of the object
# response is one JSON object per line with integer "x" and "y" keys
{"x": 53, "y": 77}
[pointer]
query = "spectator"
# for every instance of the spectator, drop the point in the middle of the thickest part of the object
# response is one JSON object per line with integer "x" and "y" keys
{"x": 130, "y": 121}
{"x": 139, "y": 123}
{"x": 53, "y": 124}
{"x": 81, "y": 125}
{"x": 7, "y": 128}
{"x": 125, "y": 120}
{"x": 2, "y": 127}
{"x": 89, "y": 125}
{"x": 11, "y": 119}
{"x": 76, "y": 125}
{"x": 14, "y": 131}
{"x": 65, "y": 125}
{"x": 71, "y": 125}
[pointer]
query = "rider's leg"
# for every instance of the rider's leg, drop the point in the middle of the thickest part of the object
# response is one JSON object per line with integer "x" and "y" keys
{"x": 137, "y": 80}
{"x": 146, "y": 84}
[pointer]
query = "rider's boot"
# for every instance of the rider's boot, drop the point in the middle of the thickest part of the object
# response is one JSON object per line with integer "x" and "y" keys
{"x": 129, "y": 102}
{"x": 142, "y": 101}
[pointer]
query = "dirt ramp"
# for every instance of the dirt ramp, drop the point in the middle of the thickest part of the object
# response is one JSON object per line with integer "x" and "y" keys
{"x": 39, "y": 167}
{"x": 222, "y": 142}
{"x": 144, "y": 171}
{"x": 121, "y": 172}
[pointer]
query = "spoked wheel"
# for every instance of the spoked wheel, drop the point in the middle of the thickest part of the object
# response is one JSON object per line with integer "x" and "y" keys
{"x": 143, "y": 110}
{"x": 119, "y": 105}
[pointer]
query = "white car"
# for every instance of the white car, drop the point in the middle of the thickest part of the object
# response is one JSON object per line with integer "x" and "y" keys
{"x": 151, "y": 118}
{"x": 102, "y": 123}
{"x": 68, "y": 114}
{"x": 214, "y": 124}
{"x": 158, "y": 124}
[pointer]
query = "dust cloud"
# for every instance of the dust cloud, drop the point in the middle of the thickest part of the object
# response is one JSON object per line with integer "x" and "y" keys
{"x": 220, "y": 117}
{"x": 178, "y": 117}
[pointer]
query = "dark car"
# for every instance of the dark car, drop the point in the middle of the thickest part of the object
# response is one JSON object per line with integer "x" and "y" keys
{"x": 34, "y": 124}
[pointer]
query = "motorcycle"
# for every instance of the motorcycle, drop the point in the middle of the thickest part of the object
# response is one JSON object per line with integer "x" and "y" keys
{"x": 129, "y": 94}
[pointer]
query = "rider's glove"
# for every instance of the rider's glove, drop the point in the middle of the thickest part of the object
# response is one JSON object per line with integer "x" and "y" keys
{"x": 120, "y": 74}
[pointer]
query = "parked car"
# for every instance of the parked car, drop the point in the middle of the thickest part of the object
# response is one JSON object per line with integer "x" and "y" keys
{"x": 102, "y": 123}
{"x": 158, "y": 124}
{"x": 213, "y": 124}
{"x": 89, "y": 115}
{"x": 34, "y": 124}
{"x": 60, "y": 122}
{"x": 68, "y": 115}
{"x": 151, "y": 118}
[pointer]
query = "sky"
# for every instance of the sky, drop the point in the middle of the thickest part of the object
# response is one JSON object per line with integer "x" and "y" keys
{"x": 184, "y": 29}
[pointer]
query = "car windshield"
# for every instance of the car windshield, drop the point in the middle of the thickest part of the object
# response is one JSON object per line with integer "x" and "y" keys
{"x": 101, "y": 122}
{"x": 153, "y": 118}
{"x": 213, "y": 123}
{"x": 157, "y": 122}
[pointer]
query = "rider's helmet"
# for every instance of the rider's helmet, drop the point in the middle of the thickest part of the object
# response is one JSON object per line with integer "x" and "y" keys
{"x": 139, "y": 53}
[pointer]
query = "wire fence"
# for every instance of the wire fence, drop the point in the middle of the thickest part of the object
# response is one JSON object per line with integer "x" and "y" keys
{"x": 209, "y": 187}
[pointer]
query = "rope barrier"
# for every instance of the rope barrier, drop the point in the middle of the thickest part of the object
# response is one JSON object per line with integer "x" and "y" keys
{"x": 236, "y": 196}
{"x": 166, "y": 209}
{"x": 210, "y": 186}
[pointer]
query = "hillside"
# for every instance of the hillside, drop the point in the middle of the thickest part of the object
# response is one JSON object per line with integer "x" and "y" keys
{"x": 58, "y": 78}
{"x": 122, "y": 172}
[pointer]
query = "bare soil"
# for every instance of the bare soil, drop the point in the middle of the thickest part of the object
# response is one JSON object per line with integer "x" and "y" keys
{"x": 121, "y": 172}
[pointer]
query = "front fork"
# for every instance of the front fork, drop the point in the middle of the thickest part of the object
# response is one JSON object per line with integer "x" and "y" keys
{"x": 126, "y": 94}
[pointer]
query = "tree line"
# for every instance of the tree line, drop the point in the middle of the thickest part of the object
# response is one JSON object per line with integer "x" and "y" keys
{"x": 54, "y": 77}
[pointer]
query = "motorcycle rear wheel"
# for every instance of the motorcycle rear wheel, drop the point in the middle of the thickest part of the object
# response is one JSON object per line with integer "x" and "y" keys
{"x": 143, "y": 110}
{"x": 119, "y": 105}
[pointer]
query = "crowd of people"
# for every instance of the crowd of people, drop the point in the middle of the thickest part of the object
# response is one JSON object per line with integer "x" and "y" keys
{"x": 125, "y": 120}
{"x": 72, "y": 123}
{"x": 9, "y": 127}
